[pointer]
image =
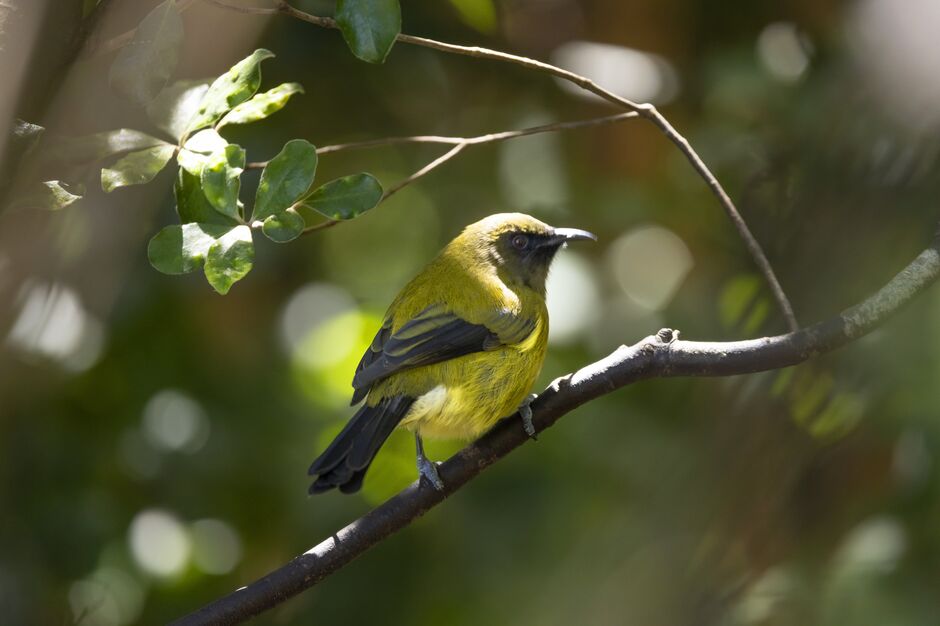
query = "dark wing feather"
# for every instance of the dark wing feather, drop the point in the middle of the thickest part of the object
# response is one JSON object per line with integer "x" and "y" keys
{"x": 344, "y": 463}
{"x": 433, "y": 336}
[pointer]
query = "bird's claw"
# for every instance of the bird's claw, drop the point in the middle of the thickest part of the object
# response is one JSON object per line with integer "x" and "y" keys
{"x": 525, "y": 411}
{"x": 428, "y": 469}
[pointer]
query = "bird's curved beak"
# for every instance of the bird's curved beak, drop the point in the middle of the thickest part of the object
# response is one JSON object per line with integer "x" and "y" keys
{"x": 561, "y": 235}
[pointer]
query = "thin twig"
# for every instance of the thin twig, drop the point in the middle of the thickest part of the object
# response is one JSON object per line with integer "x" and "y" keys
{"x": 658, "y": 356}
{"x": 645, "y": 110}
{"x": 470, "y": 141}
{"x": 433, "y": 165}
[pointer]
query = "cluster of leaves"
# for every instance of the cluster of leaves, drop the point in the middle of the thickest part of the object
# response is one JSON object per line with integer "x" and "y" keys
{"x": 215, "y": 232}
{"x": 215, "y": 229}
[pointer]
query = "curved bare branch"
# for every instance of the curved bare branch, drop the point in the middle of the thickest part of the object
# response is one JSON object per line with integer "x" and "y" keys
{"x": 657, "y": 356}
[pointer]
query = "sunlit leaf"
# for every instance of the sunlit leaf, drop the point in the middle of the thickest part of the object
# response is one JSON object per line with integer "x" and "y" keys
{"x": 50, "y": 194}
{"x": 137, "y": 167}
{"x": 205, "y": 142}
{"x": 261, "y": 105}
{"x": 90, "y": 148}
{"x": 195, "y": 153}
{"x": 221, "y": 178}
{"x": 347, "y": 197}
{"x": 25, "y": 135}
{"x": 369, "y": 26}
{"x": 192, "y": 204}
{"x": 284, "y": 226}
{"x": 144, "y": 66}
{"x": 172, "y": 110}
{"x": 229, "y": 259}
{"x": 182, "y": 248}
{"x": 286, "y": 178}
{"x": 230, "y": 89}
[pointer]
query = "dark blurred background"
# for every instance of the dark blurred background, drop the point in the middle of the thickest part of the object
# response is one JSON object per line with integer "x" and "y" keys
{"x": 154, "y": 436}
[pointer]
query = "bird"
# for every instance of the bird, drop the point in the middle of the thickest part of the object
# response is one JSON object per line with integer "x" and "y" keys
{"x": 459, "y": 348}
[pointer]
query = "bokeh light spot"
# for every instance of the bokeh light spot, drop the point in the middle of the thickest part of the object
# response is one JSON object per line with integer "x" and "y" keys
{"x": 632, "y": 74}
{"x": 783, "y": 51}
{"x": 174, "y": 421}
{"x": 650, "y": 263}
{"x": 159, "y": 543}
{"x": 573, "y": 297}
{"x": 217, "y": 548}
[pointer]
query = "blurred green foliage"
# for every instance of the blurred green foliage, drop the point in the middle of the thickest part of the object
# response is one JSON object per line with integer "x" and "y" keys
{"x": 154, "y": 436}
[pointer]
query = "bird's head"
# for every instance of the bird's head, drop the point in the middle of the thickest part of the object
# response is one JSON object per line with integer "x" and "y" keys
{"x": 519, "y": 247}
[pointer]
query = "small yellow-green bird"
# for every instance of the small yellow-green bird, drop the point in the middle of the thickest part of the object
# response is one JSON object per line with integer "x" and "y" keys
{"x": 460, "y": 347}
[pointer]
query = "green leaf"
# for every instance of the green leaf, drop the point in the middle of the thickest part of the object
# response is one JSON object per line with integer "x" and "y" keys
{"x": 347, "y": 197}
{"x": 176, "y": 106}
{"x": 195, "y": 153}
{"x": 221, "y": 178}
{"x": 478, "y": 14}
{"x": 262, "y": 105}
{"x": 137, "y": 168}
{"x": 182, "y": 248}
{"x": 283, "y": 227}
{"x": 206, "y": 142}
{"x": 286, "y": 178}
{"x": 51, "y": 195}
{"x": 230, "y": 258}
{"x": 192, "y": 204}
{"x": 144, "y": 66}
{"x": 230, "y": 89}
{"x": 369, "y": 26}
{"x": 90, "y": 148}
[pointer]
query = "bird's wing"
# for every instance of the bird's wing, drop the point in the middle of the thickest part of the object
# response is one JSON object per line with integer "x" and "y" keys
{"x": 434, "y": 335}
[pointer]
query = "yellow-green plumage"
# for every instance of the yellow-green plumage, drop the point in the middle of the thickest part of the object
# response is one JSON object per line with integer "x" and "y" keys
{"x": 484, "y": 386}
{"x": 460, "y": 348}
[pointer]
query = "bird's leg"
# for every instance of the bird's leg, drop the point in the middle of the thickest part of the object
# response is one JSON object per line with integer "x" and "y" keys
{"x": 427, "y": 467}
{"x": 526, "y": 412}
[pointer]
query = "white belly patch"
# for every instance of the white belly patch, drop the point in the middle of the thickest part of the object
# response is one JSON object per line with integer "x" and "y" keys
{"x": 427, "y": 407}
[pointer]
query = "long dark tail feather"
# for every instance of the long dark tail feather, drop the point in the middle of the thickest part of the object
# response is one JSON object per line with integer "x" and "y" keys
{"x": 344, "y": 463}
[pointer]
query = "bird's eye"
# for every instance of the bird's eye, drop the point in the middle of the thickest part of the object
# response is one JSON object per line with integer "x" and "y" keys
{"x": 519, "y": 242}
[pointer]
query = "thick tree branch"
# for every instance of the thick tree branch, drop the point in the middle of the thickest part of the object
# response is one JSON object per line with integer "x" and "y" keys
{"x": 657, "y": 356}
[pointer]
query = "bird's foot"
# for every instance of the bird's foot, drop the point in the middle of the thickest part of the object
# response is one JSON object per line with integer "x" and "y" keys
{"x": 526, "y": 412}
{"x": 428, "y": 469}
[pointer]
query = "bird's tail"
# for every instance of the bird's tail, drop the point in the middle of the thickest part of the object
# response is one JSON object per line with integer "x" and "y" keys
{"x": 344, "y": 463}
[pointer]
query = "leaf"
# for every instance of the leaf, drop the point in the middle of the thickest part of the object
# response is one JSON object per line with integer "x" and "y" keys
{"x": 478, "y": 14}
{"x": 137, "y": 168}
{"x": 206, "y": 142}
{"x": 144, "y": 66}
{"x": 283, "y": 227}
{"x": 347, "y": 197}
{"x": 262, "y": 105}
{"x": 230, "y": 89}
{"x": 90, "y": 148}
{"x": 230, "y": 258}
{"x": 182, "y": 248}
{"x": 192, "y": 204}
{"x": 51, "y": 195}
{"x": 286, "y": 178}
{"x": 369, "y": 27}
{"x": 195, "y": 153}
{"x": 221, "y": 179}
{"x": 25, "y": 135}
{"x": 176, "y": 105}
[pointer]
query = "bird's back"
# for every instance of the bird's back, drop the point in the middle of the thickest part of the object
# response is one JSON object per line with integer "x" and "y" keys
{"x": 465, "y": 396}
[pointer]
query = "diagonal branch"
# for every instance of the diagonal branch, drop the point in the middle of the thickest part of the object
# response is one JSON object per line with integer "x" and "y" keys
{"x": 657, "y": 356}
{"x": 644, "y": 110}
